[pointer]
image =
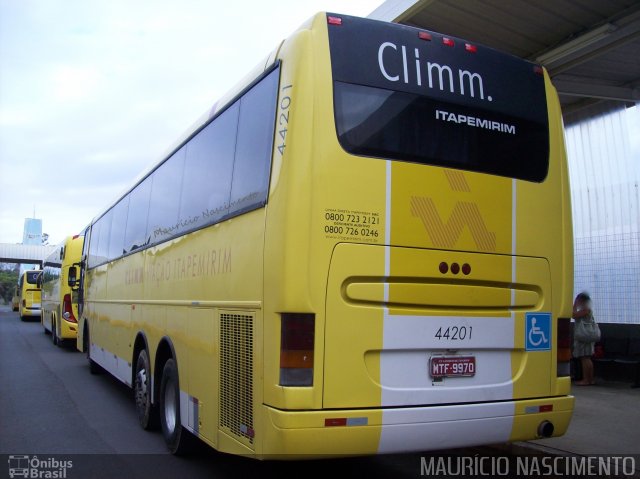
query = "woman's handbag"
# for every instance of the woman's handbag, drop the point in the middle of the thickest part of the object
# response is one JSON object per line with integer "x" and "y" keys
{"x": 586, "y": 331}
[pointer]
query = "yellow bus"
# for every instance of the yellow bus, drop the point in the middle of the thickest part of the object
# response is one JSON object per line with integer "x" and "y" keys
{"x": 15, "y": 299}
{"x": 29, "y": 294}
{"x": 59, "y": 295}
{"x": 365, "y": 248}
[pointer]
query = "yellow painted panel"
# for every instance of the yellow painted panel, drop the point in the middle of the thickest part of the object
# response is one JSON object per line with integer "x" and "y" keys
{"x": 429, "y": 209}
{"x": 351, "y": 332}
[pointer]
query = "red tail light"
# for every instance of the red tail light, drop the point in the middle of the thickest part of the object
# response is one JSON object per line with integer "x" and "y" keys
{"x": 67, "y": 309}
{"x": 564, "y": 347}
{"x": 296, "y": 349}
{"x": 448, "y": 41}
{"x": 334, "y": 20}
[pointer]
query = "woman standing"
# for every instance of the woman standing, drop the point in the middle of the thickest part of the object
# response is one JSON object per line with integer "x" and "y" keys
{"x": 583, "y": 347}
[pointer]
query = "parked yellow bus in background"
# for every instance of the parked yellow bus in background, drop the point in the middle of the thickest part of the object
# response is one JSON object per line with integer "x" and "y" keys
{"x": 59, "y": 295}
{"x": 29, "y": 294}
{"x": 15, "y": 300}
{"x": 365, "y": 248}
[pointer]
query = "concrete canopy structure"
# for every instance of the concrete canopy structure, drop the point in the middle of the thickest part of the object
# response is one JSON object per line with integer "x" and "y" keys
{"x": 24, "y": 254}
{"x": 590, "y": 47}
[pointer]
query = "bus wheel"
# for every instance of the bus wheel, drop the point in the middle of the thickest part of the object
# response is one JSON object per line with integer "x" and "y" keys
{"x": 176, "y": 437}
{"x": 94, "y": 368}
{"x": 147, "y": 414}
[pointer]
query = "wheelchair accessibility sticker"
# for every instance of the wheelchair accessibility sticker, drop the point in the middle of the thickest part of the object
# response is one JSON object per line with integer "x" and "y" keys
{"x": 537, "y": 331}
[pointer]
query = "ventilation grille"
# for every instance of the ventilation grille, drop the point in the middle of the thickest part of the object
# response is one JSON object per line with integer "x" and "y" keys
{"x": 236, "y": 375}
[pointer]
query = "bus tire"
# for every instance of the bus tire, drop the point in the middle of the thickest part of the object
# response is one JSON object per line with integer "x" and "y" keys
{"x": 94, "y": 368}
{"x": 147, "y": 412}
{"x": 176, "y": 437}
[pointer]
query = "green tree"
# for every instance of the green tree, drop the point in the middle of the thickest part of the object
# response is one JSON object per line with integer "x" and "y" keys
{"x": 8, "y": 281}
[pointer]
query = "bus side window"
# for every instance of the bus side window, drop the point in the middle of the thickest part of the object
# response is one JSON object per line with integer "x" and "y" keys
{"x": 206, "y": 183}
{"x": 136, "y": 232}
{"x": 118, "y": 225}
{"x": 252, "y": 164}
{"x": 165, "y": 198}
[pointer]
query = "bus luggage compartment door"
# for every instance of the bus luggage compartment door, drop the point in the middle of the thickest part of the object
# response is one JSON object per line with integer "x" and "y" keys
{"x": 33, "y": 299}
{"x": 424, "y": 334}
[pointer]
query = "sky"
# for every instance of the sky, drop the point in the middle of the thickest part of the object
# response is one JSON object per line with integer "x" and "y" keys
{"x": 94, "y": 92}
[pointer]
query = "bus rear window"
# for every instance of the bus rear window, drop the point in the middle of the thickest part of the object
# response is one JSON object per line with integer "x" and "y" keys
{"x": 32, "y": 277}
{"x": 397, "y": 96}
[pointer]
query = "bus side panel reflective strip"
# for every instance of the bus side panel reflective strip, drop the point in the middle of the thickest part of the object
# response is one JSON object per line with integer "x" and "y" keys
{"x": 386, "y": 369}
{"x": 114, "y": 365}
{"x": 194, "y": 414}
{"x": 189, "y": 411}
{"x": 514, "y": 249}
{"x": 513, "y": 364}
{"x": 184, "y": 411}
{"x": 513, "y": 241}
{"x": 387, "y": 228}
{"x": 513, "y": 253}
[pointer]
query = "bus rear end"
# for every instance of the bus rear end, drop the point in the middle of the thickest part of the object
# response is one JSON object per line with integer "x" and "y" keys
{"x": 72, "y": 257}
{"x": 422, "y": 297}
{"x": 15, "y": 299}
{"x": 30, "y": 298}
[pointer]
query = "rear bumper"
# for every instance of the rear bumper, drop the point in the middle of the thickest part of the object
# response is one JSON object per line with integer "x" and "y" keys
{"x": 311, "y": 434}
{"x": 68, "y": 330}
{"x": 30, "y": 311}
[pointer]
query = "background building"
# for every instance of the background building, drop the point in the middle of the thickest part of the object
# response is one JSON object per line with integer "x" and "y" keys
{"x": 604, "y": 166}
{"x": 31, "y": 235}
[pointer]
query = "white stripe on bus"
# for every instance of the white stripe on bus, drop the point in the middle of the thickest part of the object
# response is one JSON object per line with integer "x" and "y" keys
{"x": 444, "y": 427}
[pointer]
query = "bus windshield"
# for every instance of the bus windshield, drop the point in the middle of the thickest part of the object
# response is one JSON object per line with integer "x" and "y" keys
{"x": 417, "y": 99}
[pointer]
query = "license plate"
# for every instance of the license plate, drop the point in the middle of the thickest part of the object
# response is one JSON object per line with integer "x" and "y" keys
{"x": 452, "y": 366}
